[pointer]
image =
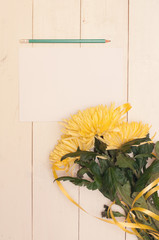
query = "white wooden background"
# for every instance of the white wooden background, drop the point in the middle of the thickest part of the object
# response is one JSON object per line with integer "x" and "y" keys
{"x": 31, "y": 206}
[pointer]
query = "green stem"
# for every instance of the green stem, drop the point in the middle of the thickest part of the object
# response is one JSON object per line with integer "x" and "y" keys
{"x": 145, "y": 236}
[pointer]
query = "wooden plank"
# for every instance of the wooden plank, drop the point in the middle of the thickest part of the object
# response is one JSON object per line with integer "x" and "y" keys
{"x": 144, "y": 52}
{"x": 15, "y": 136}
{"x": 54, "y": 216}
{"x": 144, "y": 61}
{"x": 107, "y": 19}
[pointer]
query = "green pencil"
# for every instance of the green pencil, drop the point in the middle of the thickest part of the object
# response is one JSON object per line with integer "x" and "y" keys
{"x": 64, "y": 41}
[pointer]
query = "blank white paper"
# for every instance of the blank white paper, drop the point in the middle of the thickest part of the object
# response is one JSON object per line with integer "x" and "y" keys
{"x": 57, "y": 82}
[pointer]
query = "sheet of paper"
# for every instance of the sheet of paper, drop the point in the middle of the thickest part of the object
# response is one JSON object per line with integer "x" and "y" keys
{"x": 56, "y": 82}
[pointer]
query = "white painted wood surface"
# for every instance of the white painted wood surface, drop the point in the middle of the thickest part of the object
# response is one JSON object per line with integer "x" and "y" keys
{"x": 54, "y": 217}
{"x": 31, "y": 206}
{"x": 15, "y": 136}
{"x": 144, "y": 64}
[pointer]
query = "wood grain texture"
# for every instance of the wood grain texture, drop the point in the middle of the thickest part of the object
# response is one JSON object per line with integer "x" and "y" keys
{"x": 15, "y": 137}
{"x": 54, "y": 216}
{"x": 107, "y": 19}
{"x": 144, "y": 62}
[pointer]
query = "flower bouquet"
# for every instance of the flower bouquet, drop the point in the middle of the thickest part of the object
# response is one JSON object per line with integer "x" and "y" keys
{"x": 112, "y": 156}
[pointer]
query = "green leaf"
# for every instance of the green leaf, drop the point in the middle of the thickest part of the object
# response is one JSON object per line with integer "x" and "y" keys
{"x": 99, "y": 146}
{"x": 126, "y": 147}
{"x": 83, "y": 171}
{"x": 113, "y": 153}
{"x": 157, "y": 149}
{"x": 141, "y": 160}
{"x": 120, "y": 176}
{"x": 104, "y": 164}
{"x": 115, "y": 213}
{"x": 95, "y": 170}
{"x": 141, "y": 202}
{"x": 81, "y": 163}
{"x": 125, "y": 193}
{"x": 154, "y": 209}
{"x": 125, "y": 161}
{"x": 79, "y": 182}
{"x": 112, "y": 178}
{"x": 110, "y": 182}
{"x": 146, "y": 148}
{"x": 151, "y": 172}
{"x": 156, "y": 200}
{"x": 85, "y": 155}
{"x": 130, "y": 176}
{"x": 142, "y": 153}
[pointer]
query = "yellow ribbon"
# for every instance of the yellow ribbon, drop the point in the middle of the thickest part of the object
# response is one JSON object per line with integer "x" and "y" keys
{"x": 127, "y": 223}
{"x": 121, "y": 225}
{"x": 151, "y": 192}
{"x": 146, "y": 189}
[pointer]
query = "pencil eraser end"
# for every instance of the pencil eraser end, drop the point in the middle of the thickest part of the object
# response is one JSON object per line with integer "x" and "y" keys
{"x": 24, "y": 41}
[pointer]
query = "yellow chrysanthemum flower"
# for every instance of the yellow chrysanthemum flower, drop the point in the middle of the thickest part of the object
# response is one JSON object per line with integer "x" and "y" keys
{"x": 65, "y": 145}
{"x": 127, "y": 132}
{"x": 94, "y": 121}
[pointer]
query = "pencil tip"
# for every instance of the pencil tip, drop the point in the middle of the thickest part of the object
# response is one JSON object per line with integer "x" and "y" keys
{"x": 107, "y": 41}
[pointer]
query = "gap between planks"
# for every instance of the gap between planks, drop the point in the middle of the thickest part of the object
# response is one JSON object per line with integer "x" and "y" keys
{"x": 80, "y": 22}
{"x": 32, "y": 150}
{"x": 128, "y": 52}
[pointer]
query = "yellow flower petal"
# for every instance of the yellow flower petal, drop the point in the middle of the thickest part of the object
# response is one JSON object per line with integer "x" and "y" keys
{"x": 127, "y": 132}
{"x": 99, "y": 120}
{"x": 65, "y": 145}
